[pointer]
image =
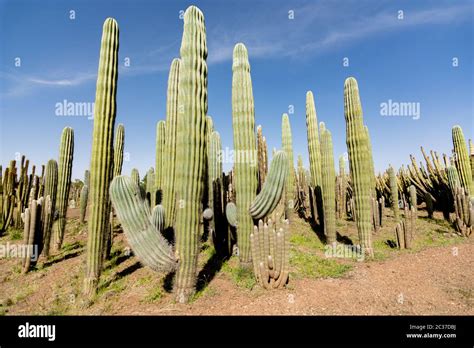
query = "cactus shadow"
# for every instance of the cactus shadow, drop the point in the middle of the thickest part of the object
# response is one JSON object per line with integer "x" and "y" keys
{"x": 392, "y": 244}
{"x": 72, "y": 250}
{"x": 344, "y": 239}
{"x": 209, "y": 271}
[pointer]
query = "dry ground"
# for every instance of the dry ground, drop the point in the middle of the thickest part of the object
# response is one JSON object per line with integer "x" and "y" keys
{"x": 435, "y": 277}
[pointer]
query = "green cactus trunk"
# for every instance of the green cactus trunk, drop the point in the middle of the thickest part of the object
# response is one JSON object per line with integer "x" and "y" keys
{"x": 159, "y": 160}
{"x": 328, "y": 181}
{"x": 50, "y": 189}
{"x": 83, "y": 202}
{"x": 101, "y": 170}
{"x": 394, "y": 193}
{"x": 150, "y": 187}
{"x": 118, "y": 149}
{"x": 413, "y": 198}
{"x": 287, "y": 145}
{"x": 192, "y": 106}
{"x": 169, "y": 170}
{"x": 66, "y": 153}
{"x": 359, "y": 163}
{"x": 135, "y": 176}
{"x": 342, "y": 199}
{"x": 245, "y": 149}
{"x": 462, "y": 161}
{"x": 262, "y": 158}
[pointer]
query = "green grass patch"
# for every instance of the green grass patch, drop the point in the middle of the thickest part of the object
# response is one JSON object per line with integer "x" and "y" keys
{"x": 154, "y": 295}
{"x": 313, "y": 266}
{"x": 15, "y": 234}
{"x": 242, "y": 277}
{"x": 303, "y": 240}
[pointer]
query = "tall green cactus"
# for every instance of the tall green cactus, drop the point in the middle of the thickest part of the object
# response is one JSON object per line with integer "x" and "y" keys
{"x": 102, "y": 154}
{"x": 169, "y": 170}
{"x": 150, "y": 187}
{"x": 287, "y": 145}
{"x": 342, "y": 199}
{"x": 118, "y": 149}
{"x": 393, "y": 192}
{"x": 413, "y": 198}
{"x": 314, "y": 150}
{"x": 83, "y": 202}
{"x": 159, "y": 159}
{"x": 328, "y": 181}
{"x": 453, "y": 179}
{"x": 245, "y": 169}
{"x": 471, "y": 157}
{"x": 262, "y": 158}
{"x": 360, "y": 162}
{"x": 192, "y": 110}
{"x": 462, "y": 161}
{"x": 66, "y": 153}
{"x": 50, "y": 189}
{"x": 87, "y": 177}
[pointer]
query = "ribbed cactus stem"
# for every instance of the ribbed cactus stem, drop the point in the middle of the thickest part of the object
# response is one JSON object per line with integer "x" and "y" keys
{"x": 343, "y": 188}
{"x": 118, "y": 149}
{"x": 83, "y": 202}
{"x": 471, "y": 157}
{"x": 159, "y": 159}
{"x": 245, "y": 148}
{"x": 462, "y": 161}
{"x": 190, "y": 157}
{"x": 413, "y": 198}
{"x": 328, "y": 180}
{"x": 262, "y": 154}
{"x": 150, "y": 187}
{"x": 50, "y": 189}
{"x": 66, "y": 153}
{"x": 453, "y": 178}
{"x": 393, "y": 192}
{"x": 359, "y": 163}
{"x": 169, "y": 169}
{"x": 287, "y": 145}
{"x": 102, "y": 154}
{"x": 135, "y": 176}
{"x": 371, "y": 163}
{"x": 87, "y": 177}
{"x": 273, "y": 188}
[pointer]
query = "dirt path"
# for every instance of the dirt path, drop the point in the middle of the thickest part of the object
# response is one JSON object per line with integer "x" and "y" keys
{"x": 433, "y": 281}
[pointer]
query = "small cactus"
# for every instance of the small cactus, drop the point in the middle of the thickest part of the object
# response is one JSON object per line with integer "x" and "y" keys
{"x": 462, "y": 161}
{"x": 50, "y": 189}
{"x": 394, "y": 192}
{"x": 83, "y": 202}
{"x": 328, "y": 181}
{"x": 118, "y": 149}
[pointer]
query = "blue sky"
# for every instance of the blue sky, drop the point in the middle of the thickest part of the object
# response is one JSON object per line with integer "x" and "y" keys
{"x": 403, "y": 60}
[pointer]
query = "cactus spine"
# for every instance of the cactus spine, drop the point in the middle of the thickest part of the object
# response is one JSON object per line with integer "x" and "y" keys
{"x": 359, "y": 161}
{"x": 159, "y": 159}
{"x": 118, "y": 149}
{"x": 50, "y": 189}
{"x": 462, "y": 161}
{"x": 245, "y": 170}
{"x": 192, "y": 106}
{"x": 328, "y": 180}
{"x": 102, "y": 153}
{"x": 287, "y": 145}
{"x": 66, "y": 153}
{"x": 169, "y": 170}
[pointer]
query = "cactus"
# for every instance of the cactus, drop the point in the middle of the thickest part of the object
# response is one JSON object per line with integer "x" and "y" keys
{"x": 413, "y": 200}
{"x": 101, "y": 170}
{"x": 462, "y": 161}
{"x": 150, "y": 187}
{"x": 262, "y": 158}
{"x": 50, "y": 189}
{"x": 135, "y": 176}
{"x": 83, "y": 202}
{"x": 314, "y": 150}
{"x": 328, "y": 180}
{"x": 159, "y": 159}
{"x": 471, "y": 157}
{"x": 118, "y": 149}
{"x": 453, "y": 179}
{"x": 245, "y": 171}
{"x": 66, "y": 153}
{"x": 169, "y": 169}
{"x": 393, "y": 192}
{"x": 146, "y": 241}
{"x": 158, "y": 218}
{"x": 287, "y": 145}
{"x": 32, "y": 232}
{"x": 7, "y": 199}
{"x": 342, "y": 187}
{"x": 371, "y": 162}
{"x": 429, "y": 204}
{"x": 190, "y": 156}
{"x": 231, "y": 214}
{"x": 357, "y": 144}
{"x": 272, "y": 190}
{"x": 464, "y": 212}
{"x": 405, "y": 229}
{"x": 215, "y": 187}
{"x": 270, "y": 253}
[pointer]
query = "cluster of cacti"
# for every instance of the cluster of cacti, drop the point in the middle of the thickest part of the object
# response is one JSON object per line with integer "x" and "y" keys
{"x": 101, "y": 166}
{"x": 462, "y": 162}
{"x": 270, "y": 243}
{"x": 328, "y": 184}
{"x": 463, "y": 206}
{"x": 360, "y": 163}
{"x": 66, "y": 153}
